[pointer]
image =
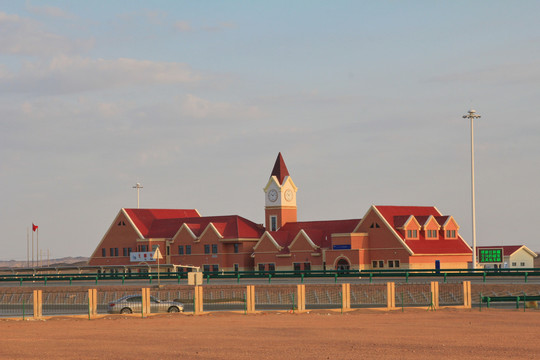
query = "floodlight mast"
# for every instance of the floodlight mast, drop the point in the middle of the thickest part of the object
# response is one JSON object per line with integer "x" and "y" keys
{"x": 137, "y": 186}
{"x": 471, "y": 116}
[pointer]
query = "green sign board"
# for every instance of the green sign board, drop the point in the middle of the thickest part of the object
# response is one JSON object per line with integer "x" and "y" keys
{"x": 490, "y": 255}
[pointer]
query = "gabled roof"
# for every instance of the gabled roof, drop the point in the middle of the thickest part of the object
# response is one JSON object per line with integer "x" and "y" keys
{"x": 280, "y": 169}
{"x": 394, "y": 215}
{"x": 320, "y": 232}
{"x": 165, "y": 223}
{"x": 156, "y": 222}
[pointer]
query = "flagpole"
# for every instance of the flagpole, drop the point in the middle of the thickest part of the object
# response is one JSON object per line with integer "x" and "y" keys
{"x": 27, "y": 247}
{"x": 37, "y": 245}
{"x": 32, "y": 246}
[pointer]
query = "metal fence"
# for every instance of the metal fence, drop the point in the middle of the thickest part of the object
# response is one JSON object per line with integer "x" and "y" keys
{"x": 220, "y": 298}
{"x": 324, "y": 297}
{"x": 16, "y": 304}
{"x": 65, "y": 303}
{"x": 451, "y": 294}
{"x": 183, "y": 294}
{"x": 272, "y": 297}
{"x": 367, "y": 296}
{"x": 411, "y": 295}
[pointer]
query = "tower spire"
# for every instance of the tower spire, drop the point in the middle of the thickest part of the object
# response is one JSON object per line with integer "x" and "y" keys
{"x": 280, "y": 169}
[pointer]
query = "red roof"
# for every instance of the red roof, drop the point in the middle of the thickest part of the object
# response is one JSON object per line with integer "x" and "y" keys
{"x": 159, "y": 223}
{"x": 280, "y": 169}
{"x": 394, "y": 215}
{"x": 320, "y": 232}
{"x": 144, "y": 218}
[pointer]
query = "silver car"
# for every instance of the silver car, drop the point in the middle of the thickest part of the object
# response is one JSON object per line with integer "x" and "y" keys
{"x": 132, "y": 303}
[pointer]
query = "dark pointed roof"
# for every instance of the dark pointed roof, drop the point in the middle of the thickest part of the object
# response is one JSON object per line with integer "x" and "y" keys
{"x": 280, "y": 169}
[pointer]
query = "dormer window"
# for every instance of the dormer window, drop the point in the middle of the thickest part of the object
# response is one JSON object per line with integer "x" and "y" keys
{"x": 412, "y": 234}
{"x": 431, "y": 234}
{"x": 450, "y": 234}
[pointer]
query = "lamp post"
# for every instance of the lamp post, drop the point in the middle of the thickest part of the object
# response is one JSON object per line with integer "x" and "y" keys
{"x": 138, "y": 187}
{"x": 473, "y": 115}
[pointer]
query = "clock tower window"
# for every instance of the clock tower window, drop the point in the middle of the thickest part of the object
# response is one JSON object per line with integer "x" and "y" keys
{"x": 273, "y": 223}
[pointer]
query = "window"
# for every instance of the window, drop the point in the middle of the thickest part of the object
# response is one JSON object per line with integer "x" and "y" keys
{"x": 207, "y": 249}
{"x": 214, "y": 248}
{"x": 129, "y": 251}
{"x": 168, "y": 250}
{"x": 432, "y": 234}
{"x": 297, "y": 266}
{"x": 514, "y": 264}
{"x": 115, "y": 251}
{"x": 103, "y": 252}
{"x": 396, "y": 263}
{"x": 111, "y": 251}
{"x": 215, "y": 268}
{"x": 374, "y": 264}
{"x": 307, "y": 266}
{"x": 180, "y": 249}
{"x": 124, "y": 252}
{"x": 188, "y": 249}
{"x": 273, "y": 223}
{"x": 381, "y": 263}
{"x": 154, "y": 247}
{"x": 451, "y": 234}
{"x": 206, "y": 268}
{"x": 412, "y": 234}
{"x": 272, "y": 267}
{"x": 522, "y": 264}
{"x": 390, "y": 263}
{"x": 236, "y": 248}
{"x": 235, "y": 268}
{"x": 261, "y": 267}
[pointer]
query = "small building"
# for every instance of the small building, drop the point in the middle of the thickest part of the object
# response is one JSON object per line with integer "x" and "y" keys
{"x": 514, "y": 256}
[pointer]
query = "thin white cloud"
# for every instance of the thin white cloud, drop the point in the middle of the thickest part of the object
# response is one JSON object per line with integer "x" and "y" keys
{"x": 185, "y": 26}
{"x": 50, "y": 11}
{"x": 65, "y": 74}
{"x": 503, "y": 74}
{"x": 182, "y": 26}
{"x": 199, "y": 108}
{"x": 23, "y": 36}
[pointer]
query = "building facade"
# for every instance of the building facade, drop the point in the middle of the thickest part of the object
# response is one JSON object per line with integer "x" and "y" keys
{"x": 387, "y": 237}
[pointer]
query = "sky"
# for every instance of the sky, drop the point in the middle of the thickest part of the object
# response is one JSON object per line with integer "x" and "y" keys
{"x": 195, "y": 99}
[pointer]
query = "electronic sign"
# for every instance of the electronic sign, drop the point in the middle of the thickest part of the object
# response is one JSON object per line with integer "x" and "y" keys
{"x": 494, "y": 255}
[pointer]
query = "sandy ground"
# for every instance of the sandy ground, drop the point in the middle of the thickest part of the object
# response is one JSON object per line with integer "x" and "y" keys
{"x": 413, "y": 334}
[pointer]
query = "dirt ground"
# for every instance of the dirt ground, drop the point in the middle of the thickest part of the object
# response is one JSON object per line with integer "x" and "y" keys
{"x": 413, "y": 334}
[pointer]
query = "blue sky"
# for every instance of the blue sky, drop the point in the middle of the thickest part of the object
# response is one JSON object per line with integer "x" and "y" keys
{"x": 195, "y": 99}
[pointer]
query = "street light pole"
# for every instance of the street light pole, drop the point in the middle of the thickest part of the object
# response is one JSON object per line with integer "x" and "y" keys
{"x": 473, "y": 115}
{"x": 138, "y": 187}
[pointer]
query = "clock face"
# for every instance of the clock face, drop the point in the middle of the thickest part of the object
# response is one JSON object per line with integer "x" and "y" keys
{"x": 272, "y": 195}
{"x": 289, "y": 195}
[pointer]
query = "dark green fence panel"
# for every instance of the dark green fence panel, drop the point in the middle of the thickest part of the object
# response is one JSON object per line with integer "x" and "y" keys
{"x": 16, "y": 304}
{"x": 224, "y": 297}
{"x": 323, "y": 297}
{"x": 413, "y": 294}
{"x": 275, "y": 297}
{"x": 65, "y": 303}
{"x": 180, "y": 294}
{"x": 450, "y": 294}
{"x": 368, "y": 295}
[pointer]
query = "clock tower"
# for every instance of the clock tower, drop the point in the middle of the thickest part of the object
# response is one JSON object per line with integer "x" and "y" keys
{"x": 280, "y": 197}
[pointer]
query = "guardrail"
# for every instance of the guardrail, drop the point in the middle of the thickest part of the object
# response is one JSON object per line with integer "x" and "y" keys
{"x": 484, "y": 274}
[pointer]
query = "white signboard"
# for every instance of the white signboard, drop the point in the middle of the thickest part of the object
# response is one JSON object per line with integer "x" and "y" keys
{"x": 142, "y": 256}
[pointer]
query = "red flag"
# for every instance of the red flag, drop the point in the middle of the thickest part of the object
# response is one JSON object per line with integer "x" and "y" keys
{"x": 34, "y": 227}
